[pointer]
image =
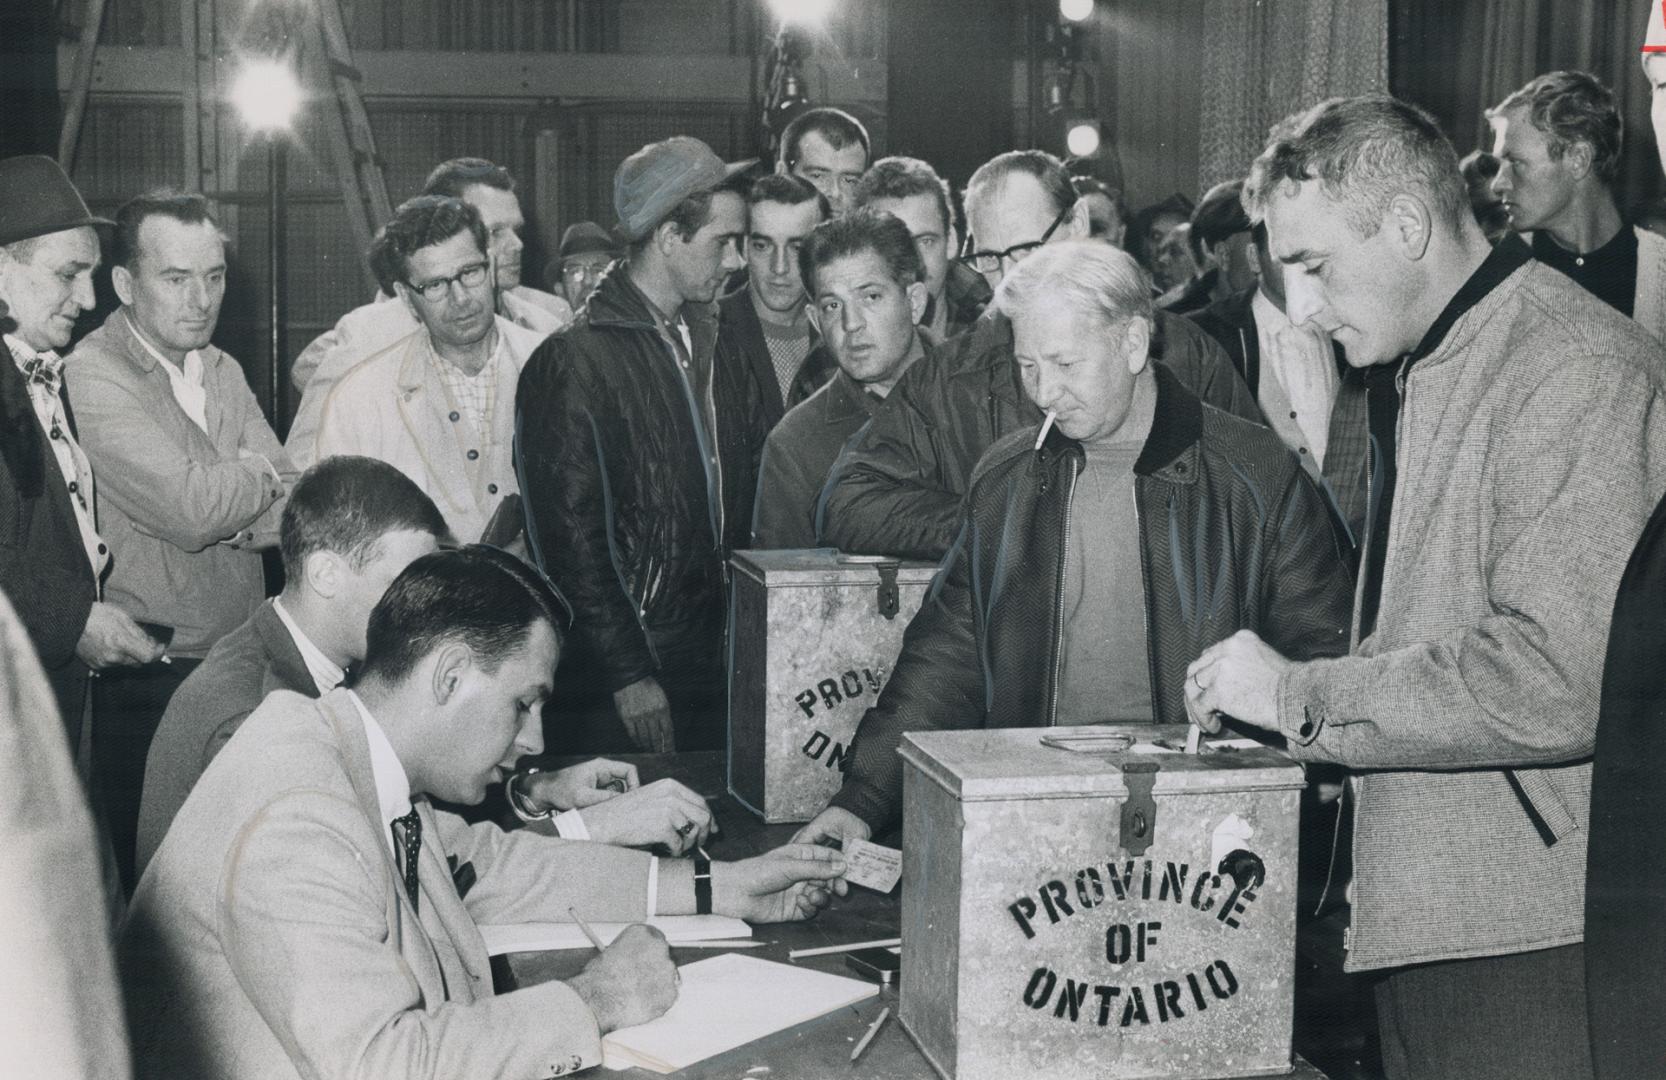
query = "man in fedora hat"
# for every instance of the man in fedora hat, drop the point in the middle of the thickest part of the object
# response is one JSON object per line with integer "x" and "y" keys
{"x": 638, "y": 456}
{"x": 586, "y": 251}
{"x": 51, "y": 555}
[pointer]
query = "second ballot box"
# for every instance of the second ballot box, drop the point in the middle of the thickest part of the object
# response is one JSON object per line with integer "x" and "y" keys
{"x": 814, "y": 636}
{"x": 1093, "y": 903}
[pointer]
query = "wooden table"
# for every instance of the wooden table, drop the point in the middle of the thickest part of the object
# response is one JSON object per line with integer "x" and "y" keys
{"x": 810, "y": 1051}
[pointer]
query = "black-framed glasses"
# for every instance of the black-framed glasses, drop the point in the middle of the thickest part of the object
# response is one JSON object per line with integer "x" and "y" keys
{"x": 987, "y": 262}
{"x": 468, "y": 277}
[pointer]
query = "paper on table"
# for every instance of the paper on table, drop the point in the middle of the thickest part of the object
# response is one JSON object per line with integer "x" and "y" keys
{"x": 728, "y": 1001}
{"x": 539, "y": 937}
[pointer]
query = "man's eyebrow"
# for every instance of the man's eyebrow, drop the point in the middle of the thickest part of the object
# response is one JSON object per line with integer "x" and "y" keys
{"x": 1300, "y": 256}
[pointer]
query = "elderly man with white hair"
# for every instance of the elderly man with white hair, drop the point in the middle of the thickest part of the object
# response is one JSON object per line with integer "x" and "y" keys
{"x": 1101, "y": 552}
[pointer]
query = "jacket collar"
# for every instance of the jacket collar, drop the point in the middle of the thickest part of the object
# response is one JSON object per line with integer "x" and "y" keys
{"x": 288, "y": 668}
{"x": 846, "y": 400}
{"x": 141, "y": 357}
{"x": 1510, "y": 255}
{"x": 1170, "y": 449}
{"x": 619, "y": 303}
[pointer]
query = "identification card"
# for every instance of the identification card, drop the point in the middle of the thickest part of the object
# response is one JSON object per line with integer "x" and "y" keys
{"x": 872, "y": 866}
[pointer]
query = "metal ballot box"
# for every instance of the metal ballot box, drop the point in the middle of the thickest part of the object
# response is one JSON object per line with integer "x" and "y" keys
{"x": 813, "y": 635}
{"x": 1091, "y": 903}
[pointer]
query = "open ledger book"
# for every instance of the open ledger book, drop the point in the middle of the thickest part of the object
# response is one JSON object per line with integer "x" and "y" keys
{"x": 728, "y": 1001}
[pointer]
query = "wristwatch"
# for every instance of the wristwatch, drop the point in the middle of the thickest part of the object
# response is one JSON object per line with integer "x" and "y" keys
{"x": 518, "y": 802}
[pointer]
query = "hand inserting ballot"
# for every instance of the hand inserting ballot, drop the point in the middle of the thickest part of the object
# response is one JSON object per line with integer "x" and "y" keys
{"x": 1236, "y": 677}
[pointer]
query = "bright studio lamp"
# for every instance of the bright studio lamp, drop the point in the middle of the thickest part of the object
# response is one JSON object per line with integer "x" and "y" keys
{"x": 1082, "y": 139}
{"x": 802, "y": 12}
{"x": 266, "y": 95}
{"x": 1075, "y": 10}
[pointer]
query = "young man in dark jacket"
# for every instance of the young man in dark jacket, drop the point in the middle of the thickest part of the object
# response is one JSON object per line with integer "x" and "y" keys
{"x": 638, "y": 454}
{"x": 1097, "y": 558}
{"x": 898, "y": 490}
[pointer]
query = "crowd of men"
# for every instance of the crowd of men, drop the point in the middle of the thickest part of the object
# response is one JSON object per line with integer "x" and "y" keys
{"x": 1318, "y": 457}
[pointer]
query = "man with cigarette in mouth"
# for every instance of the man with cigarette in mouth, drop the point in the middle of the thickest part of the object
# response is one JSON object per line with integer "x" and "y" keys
{"x": 1099, "y": 554}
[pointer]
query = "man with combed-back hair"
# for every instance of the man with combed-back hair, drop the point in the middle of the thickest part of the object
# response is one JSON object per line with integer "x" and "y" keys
{"x": 829, "y": 148}
{"x": 1099, "y": 551}
{"x": 911, "y": 190}
{"x": 897, "y": 491}
{"x": 1532, "y": 445}
{"x": 1558, "y": 141}
{"x": 312, "y": 914}
{"x": 439, "y": 403}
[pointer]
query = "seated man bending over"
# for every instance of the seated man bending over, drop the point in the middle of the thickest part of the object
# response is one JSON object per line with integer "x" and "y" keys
{"x": 1099, "y": 558}
{"x": 309, "y": 914}
{"x": 351, "y": 525}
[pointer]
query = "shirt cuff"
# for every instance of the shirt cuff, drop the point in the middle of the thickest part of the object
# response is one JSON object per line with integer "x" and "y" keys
{"x": 653, "y": 886}
{"x": 569, "y": 825}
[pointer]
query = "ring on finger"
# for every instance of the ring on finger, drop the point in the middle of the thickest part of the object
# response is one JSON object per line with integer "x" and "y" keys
{"x": 685, "y": 828}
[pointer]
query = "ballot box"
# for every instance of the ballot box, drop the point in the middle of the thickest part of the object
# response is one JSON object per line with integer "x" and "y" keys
{"x": 814, "y": 635}
{"x": 1092, "y": 903}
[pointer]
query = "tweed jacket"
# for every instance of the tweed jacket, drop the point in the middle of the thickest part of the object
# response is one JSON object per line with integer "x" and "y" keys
{"x": 207, "y": 709}
{"x": 43, "y": 566}
{"x": 797, "y": 457}
{"x": 1532, "y": 446}
{"x": 395, "y": 406}
{"x": 271, "y": 936}
{"x": 171, "y": 498}
{"x": 898, "y": 490}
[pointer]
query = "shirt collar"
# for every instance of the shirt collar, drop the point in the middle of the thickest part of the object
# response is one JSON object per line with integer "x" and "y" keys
{"x": 28, "y": 361}
{"x": 191, "y": 370}
{"x": 1267, "y": 313}
{"x": 326, "y": 673}
{"x": 393, "y": 786}
{"x": 1510, "y": 255}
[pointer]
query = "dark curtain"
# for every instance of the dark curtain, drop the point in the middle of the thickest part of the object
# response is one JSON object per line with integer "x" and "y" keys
{"x": 29, "y": 109}
{"x": 1458, "y": 59}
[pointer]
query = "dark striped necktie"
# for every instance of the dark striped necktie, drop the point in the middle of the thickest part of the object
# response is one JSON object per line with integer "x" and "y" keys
{"x": 407, "y": 838}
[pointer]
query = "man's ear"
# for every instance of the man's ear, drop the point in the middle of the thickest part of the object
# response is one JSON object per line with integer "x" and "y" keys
{"x": 1136, "y": 342}
{"x": 813, "y": 314}
{"x": 666, "y": 233}
{"x": 1409, "y": 225}
{"x": 917, "y": 297}
{"x": 324, "y": 572}
{"x": 1578, "y": 158}
{"x": 122, "y": 278}
{"x": 451, "y": 664}
{"x": 1079, "y": 225}
{"x": 407, "y": 296}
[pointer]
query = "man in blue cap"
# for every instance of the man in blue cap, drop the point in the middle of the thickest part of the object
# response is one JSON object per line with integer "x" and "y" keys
{"x": 637, "y": 455}
{"x": 51, "y": 556}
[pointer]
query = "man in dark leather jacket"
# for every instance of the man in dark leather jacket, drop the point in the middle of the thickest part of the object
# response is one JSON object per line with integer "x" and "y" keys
{"x": 638, "y": 454}
{"x": 1095, "y": 560}
{"x": 897, "y": 490}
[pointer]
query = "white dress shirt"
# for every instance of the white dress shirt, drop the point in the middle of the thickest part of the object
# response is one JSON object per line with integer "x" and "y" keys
{"x": 1298, "y": 381}
{"x": 72, "y": 463}
{"x": 393, "y": 785}
{"x": 185, "y": 380}
{"x": 326, "y": 673}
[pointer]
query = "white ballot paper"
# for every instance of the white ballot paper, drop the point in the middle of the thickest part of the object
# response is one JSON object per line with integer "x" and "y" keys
{"x": 872, "y": 866}
{"x": 728, "y": 1001}
{"x": 540, "y": 937}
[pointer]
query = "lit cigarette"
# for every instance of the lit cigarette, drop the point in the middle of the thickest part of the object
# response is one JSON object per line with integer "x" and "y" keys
{"x": 1046, "y": 426}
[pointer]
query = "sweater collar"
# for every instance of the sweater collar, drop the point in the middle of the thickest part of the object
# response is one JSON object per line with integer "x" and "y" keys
{"x": 1510, "y": 255}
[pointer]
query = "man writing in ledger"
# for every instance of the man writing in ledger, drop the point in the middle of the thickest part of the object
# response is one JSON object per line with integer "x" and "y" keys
{"x": 302, "y": 919}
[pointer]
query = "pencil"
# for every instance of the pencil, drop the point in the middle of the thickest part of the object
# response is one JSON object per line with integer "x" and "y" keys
{"x": 827, "y": 950}
{"x": 873, "y": 1029}
{"x": 589, "y": 933}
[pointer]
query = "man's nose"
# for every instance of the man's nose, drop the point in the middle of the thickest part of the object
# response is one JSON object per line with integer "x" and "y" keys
{"x": 781, "y": 262}
{"x": 731, "y": 256}
{"x": 852, "y": 319}
{"x": 530, "y": 739}
{"x": 1302, "y": 300}
{"x": 82, "y": 293}
{"x": 1500, "y": 184}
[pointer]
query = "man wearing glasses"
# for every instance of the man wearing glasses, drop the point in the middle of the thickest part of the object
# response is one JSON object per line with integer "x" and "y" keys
{"x": 897, "y": 490}
{"x": 439, "y": 404}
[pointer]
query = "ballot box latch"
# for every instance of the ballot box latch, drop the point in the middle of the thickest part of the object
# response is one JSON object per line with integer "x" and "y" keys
{"x": 890, "y": 601}
{"x": 1139, "y": 809}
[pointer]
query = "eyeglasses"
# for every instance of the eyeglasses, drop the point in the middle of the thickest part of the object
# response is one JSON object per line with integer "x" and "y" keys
{"x": 468, "y": 277}
{"x": 987, "y": 262}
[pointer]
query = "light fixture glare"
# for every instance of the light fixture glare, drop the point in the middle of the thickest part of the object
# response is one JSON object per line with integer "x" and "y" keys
{"x": 266, "y": 95}
{"x": 1076, "y": 10}
{"x": 802, "y": 12}
{"x": 1082, "y": 140}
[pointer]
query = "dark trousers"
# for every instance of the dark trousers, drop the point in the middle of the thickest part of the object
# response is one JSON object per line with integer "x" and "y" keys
{"x": 1518, "y": 1017}
{"x": 128, "y": 703}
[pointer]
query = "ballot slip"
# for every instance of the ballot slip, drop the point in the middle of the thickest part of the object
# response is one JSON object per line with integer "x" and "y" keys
{"x": 872, "y": 866}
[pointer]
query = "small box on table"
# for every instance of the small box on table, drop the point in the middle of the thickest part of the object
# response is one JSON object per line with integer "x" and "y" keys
{"x": 814, "y": 636}
{"x": 1102, "y": 908}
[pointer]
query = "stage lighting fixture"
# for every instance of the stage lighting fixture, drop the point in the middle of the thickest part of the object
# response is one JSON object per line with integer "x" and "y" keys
{"x": 802, "y": 12}
{"x": 1082, "y": 140}
{"x": 1076, "y": 10}
{"x": 266, "y": 94}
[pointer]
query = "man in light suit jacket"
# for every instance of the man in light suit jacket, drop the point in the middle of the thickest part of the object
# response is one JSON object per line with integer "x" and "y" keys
{"x": 301, "y": 918}
{"x": 439, "y": 404}
{"x": 350, "y": 526}
{"x": 191, "y": 479}
{"x": 51, "y": 556}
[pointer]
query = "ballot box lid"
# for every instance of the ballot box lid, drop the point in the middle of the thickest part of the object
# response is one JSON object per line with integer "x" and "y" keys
{"x": 1089, "y": 762}
{"x": 826, "y": 566}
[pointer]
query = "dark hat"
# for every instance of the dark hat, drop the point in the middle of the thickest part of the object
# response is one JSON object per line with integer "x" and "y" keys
{"x": 587, "y": 238}
{"x": 651, "y": 182}
{"x": 37, "y": 198}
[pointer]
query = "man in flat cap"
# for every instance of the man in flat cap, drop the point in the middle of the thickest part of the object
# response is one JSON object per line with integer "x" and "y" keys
{"x": 585, "y": 254}
{"x": 51, "y": 556}
{"x": 638, "y": 457}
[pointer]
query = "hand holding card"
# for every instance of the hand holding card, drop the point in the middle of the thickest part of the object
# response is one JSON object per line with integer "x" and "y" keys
{"x": 872, "y": 866}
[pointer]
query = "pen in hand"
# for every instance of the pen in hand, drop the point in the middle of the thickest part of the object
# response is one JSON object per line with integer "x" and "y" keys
{"x": 589, "y": 933}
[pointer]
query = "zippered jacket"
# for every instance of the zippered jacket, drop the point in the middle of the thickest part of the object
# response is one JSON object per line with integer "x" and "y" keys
{"x": 1233, "y": 535}
{"x": 632, "y": 506}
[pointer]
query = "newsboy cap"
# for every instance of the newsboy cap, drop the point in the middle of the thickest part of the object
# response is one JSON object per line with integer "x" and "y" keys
{"x": 37, "y": 198}
{"x": 651, "y": 182}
